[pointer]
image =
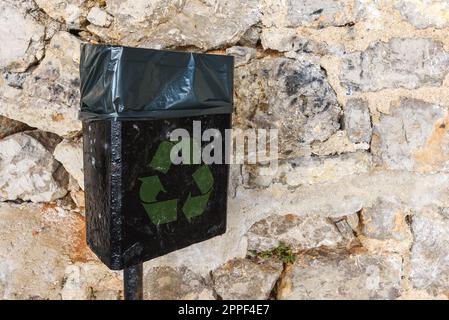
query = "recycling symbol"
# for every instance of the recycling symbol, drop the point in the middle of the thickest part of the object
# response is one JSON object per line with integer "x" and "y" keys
{"x": 162, "y": 212}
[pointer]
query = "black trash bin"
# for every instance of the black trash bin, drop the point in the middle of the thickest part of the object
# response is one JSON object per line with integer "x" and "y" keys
{"x": 138, "y": 204}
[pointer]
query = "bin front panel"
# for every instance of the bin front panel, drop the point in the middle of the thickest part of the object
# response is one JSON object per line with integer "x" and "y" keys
{"x": 154, "y": 207}
{"x": 167, "y": 207}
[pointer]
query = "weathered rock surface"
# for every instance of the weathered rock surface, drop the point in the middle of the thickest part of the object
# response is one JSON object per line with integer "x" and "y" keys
{"x": 357, "y": 121}
{"x": 288, "y": 40}
{"x": 47, "y": 139}
{"x": 279, "y": 39}
{"x": 348, "y": 226}
{"x": 310, "y": 170}
{"x": 15, "y": 79}
{"x": 349, "y": 195}
{"x": 28, "y": 171}
{"x": 21, "y": 36}
{"x": 160, "y": 24}
{"x": 310, "y": 13}
{"x": 326, "y": 169}
{"x": 91, "y": 281}
{"x": 299, "y": 233}
{"x": 401, "y": 62}
{"x": 50, "y": 96}
{"x": 9, "y": 127}
{"x": 243, "y": 279}
{"x": 37, "y": 243}
{"x": 430, "y": 257}
{"x": 385, "y": 220}
{"x": 251, "y": 37}
{"x": 70, "y": 154}
{"x": 79, "y": 199}
{"x": 64, "y": 11}
{"x": 291, "y": 96}
{"x": 166, "y": 283}
{"x": 343, "y": 276}
{"x": 425, "y": 14}
{"x": 413, "y": 137}
{"x": 242, "y": 55}
{"x": 338, "y": 143}
{"x": 385, "y": 226}
{"x": 99, "y": 17}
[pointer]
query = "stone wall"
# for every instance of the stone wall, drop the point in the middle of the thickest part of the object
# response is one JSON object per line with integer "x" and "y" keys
{"x": 359, "y": 91}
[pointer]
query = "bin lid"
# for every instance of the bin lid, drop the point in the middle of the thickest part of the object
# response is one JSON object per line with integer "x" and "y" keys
{"x": 124, "y": 82}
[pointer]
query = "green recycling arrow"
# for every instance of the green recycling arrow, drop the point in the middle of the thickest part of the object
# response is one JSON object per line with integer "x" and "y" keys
{"x": 203, "y": 178}
{"x": 195, "y": 206}
{"x": 158, "y": 212}
{"x": 150, "y": 188}
{"x": 161, "y": 159}
{"x": 161, "y": 212}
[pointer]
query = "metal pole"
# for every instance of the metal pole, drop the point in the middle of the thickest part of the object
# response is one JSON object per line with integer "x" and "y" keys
{"x": 132, "y": 281}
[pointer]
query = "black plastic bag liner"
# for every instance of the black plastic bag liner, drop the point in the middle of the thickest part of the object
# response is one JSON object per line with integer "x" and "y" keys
{"x": 128, "y": 83}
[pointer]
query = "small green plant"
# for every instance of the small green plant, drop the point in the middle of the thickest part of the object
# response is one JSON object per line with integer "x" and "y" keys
{"x": 282, "y": 252}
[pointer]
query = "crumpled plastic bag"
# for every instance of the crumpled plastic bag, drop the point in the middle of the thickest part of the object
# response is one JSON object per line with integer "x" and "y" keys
{"x": 127, "y": 83}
